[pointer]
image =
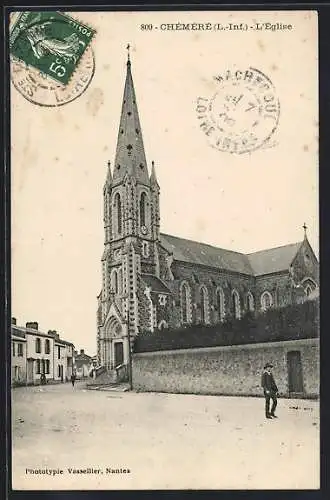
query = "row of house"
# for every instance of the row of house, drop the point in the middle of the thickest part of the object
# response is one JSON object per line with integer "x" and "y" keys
{"x": 37, "y": 356}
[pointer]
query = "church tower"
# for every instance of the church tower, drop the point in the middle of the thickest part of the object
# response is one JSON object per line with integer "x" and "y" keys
{"x": 131, "y": 234}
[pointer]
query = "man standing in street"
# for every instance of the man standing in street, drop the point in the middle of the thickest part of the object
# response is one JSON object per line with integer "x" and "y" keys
{"x": 73, "y": 378}
{"x": 270, "y": 390}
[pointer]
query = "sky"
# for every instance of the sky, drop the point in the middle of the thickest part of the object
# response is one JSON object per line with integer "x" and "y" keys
{"x": 241, "y": 202}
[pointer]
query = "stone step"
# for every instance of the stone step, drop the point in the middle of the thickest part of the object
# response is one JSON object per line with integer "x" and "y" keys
{"x": 115, "y": 388}
{"x": 109, "y": 387}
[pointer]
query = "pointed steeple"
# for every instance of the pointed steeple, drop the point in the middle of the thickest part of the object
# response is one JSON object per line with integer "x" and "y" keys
{"x": 153, "y": 177}
{"x": 130, "y": 155}
{"x": 108, "y": 180}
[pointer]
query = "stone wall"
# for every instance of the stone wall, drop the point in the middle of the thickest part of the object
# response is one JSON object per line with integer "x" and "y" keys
{"x": 229, "y": 370}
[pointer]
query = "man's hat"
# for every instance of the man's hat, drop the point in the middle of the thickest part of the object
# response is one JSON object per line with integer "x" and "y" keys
{"x": 268, "y": 365}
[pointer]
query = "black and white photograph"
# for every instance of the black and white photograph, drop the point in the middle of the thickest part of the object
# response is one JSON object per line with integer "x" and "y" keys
{"x": 164, "y": 250}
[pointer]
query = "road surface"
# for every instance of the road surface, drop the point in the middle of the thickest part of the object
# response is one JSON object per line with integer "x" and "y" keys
{"x": 65, "y": 438}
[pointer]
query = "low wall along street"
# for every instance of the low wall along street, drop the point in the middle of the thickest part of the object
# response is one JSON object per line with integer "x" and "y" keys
{"x": 231, "y": 370}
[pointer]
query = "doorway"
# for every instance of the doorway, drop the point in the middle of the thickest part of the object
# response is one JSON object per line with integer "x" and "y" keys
{"x": 295, "y": 376}
{"x": 119, "y": 353}
{"x": 29, "y": 374}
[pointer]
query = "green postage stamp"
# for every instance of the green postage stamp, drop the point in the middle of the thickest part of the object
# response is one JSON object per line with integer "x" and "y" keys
{"x": 50, "y": 42}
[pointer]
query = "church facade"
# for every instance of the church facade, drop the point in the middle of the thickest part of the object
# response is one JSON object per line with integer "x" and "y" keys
{"x": 152, "y": 280}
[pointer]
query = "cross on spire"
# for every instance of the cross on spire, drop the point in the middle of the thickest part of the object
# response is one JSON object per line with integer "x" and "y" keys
{"x": 128, "y": 54}
{"x": 305, "y": 230}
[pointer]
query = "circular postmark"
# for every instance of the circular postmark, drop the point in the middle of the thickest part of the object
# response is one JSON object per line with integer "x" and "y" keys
{"x": 243, "y": 113}
{"x": 39, "y": 88}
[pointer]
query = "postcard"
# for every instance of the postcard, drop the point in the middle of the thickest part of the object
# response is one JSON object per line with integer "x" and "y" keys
{"x": 164, "y": 236}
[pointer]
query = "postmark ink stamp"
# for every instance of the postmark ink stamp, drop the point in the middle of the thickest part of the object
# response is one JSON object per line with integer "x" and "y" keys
{"x": 243, "y": 114}
{"x": 39, "y": 88}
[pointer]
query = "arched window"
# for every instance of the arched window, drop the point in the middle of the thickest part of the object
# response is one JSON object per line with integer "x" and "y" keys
{"x": 143, "y": 209}
{"x": 309, "y": 285}
{"x": 185, "y": 303}
{"x": 114, "y": 281}
{"x": 120, "y": 280}
{"x": 250, "y": 302}
{"x": 203, "y": 304}
{"x": 236, "y": 305}
{"x": 162, "y": 325}
{"x": 145, "y": 249}
{"x": 220, "y": 304}
{"x": 266, "y": 301}
{"x": 118, "y": 211}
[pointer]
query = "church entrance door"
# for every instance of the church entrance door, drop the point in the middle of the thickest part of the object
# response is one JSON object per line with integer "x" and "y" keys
{"x": 295, "y": 372}
{"x": 119, "y": 353}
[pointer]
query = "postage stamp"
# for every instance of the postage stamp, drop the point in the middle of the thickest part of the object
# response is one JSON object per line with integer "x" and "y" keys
{"x": 243, "y": 114}
{"x": 51, "y": 42}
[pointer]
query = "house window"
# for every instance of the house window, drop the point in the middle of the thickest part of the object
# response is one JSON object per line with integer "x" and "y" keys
{"x": 203, "y": 304}
{"x": 118, "y": 212}
{"x": 47, "y": 363}
{"x": 236, "y": 305}
{"x": 38, "y": 366}
{"x": 47, "y": 346}
{"x": 220, "y": 300}
{"x": 143, "y": 209}
{"x": 38, "y": 345}
{"x": 58, "y": 352}
{"x": 13, "y": 348}
{"x": 266, "y": 301}
{"x": 185, "y": 303}
{"x": 59, "y": 370}
{"x": 250, "y": 302}
{"x": 20, "y": 349}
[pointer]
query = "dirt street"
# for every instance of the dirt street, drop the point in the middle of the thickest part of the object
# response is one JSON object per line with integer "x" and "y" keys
{"x": 65, "y": 438}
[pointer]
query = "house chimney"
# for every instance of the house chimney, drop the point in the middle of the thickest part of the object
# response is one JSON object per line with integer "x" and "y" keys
{"x": 53, "y": 333}
{"x": 82, "y": 351}
{"x": 13, "y": 321}
{"x": 32, "y": 324}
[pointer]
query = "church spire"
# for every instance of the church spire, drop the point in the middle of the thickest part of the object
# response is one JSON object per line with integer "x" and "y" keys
{"x": 153, "y": 177}
{"x": 109, "y": 176}
{"x": 130, "y": 156}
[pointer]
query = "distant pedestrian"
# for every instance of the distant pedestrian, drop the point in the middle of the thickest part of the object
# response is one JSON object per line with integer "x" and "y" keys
{"x": 73, "y": 379}
{"x": 270, "y": 390}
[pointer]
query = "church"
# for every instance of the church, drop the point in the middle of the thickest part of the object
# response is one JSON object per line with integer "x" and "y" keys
{"x": 152, "y": 280}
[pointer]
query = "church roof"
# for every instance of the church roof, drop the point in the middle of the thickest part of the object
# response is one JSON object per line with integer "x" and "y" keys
{"x": 273, "y": 260}
{"x": 258, "y": 263}
{"x": 155, "y": 283}
{"x": 195, "y": 252}
{"x": 130, "y": 155}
